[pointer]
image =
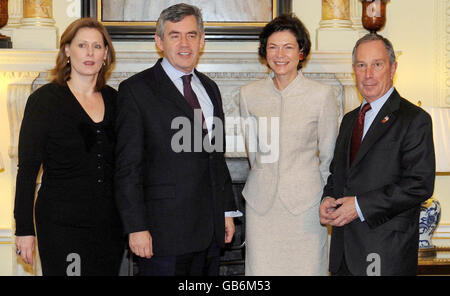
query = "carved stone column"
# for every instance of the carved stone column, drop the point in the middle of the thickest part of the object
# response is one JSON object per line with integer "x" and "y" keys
{"x": 19, "y": 88}
{"x": 350, "y": 97}
{"x": 335, "y": 31}
{"x": 335, "y": 14}
{"x": 14, "y": 16}
{"x": 37, "y": 29}
{"x": 355, "y": 16}
{"x": 38, "y": 13}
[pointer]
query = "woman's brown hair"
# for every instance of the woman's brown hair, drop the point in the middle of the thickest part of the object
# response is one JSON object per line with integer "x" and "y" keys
{"x": 61, "y": 72}
{"x": 286, "y": 22}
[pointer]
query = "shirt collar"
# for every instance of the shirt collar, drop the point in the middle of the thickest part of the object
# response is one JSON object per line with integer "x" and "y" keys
{"x": 378, "y": 103}
{"x": 172, "y": 72}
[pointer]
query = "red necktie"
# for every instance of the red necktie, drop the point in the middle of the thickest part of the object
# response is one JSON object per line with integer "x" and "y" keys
{"x": 358, "y": 131}
{"x": 190, "y": 95}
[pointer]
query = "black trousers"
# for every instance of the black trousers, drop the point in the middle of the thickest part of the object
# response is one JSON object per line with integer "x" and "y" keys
{"x": 202, "y": 263}
{"x": 343, "y": 269}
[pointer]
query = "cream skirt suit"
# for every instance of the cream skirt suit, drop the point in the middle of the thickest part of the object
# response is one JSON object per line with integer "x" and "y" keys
{"x": 289, "y": 137}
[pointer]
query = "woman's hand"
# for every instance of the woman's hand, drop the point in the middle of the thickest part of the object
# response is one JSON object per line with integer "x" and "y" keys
{"x": 25, "y": 244}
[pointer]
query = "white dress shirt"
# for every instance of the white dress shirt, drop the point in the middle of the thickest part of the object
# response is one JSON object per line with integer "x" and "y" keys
{"x": 368, "y": 120}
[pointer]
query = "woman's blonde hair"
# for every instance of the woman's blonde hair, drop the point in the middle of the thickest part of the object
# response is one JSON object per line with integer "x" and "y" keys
{"x": 61, "y": 72}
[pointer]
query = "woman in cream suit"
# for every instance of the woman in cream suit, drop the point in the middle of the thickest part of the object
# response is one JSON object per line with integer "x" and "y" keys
{"x": 290, "y": 127}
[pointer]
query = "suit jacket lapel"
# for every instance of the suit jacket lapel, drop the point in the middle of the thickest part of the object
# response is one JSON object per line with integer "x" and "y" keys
{"x": 171, "y": 92}
{"x": 379, "y": 126}
{"x": 348, "y": 136}
{"x": 210, "y": 92}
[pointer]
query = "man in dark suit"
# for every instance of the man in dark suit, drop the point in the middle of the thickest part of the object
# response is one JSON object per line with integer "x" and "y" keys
{"x": 173, "y": 186}
{"x": 372, "y": 197}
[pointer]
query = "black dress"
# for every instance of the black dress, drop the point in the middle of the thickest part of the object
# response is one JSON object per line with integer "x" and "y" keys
{"x": 77, "y": 223}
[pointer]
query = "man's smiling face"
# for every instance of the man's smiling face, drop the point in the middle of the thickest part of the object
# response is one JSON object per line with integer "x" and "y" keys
{"x": 182, "y": 43}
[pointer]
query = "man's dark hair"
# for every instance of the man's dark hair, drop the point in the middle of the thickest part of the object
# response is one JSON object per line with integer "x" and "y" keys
{"x": 176, "y": 13}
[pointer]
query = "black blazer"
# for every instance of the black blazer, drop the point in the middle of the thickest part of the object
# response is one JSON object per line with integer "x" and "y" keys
{"x": 392, "y": 174}
{"x": 180, "y": 197}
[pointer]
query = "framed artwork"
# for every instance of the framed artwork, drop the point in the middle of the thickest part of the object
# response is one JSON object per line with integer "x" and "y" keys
{"x": 223, "y": 19}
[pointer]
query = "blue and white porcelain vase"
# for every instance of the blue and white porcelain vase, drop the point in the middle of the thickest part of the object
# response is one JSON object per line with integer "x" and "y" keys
{"x": 430, "y": 215}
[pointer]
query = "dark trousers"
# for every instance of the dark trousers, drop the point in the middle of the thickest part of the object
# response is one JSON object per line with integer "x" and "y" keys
{"x": 343, "y": 269}
{"x": 200, "y": 263}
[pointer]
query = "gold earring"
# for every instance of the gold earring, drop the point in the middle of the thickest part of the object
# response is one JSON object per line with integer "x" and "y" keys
{"x": 68, "y": 60}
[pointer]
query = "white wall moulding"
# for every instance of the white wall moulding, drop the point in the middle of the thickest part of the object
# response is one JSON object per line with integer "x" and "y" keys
{"x": 15, "y": 60}
{"x": 5, "y": 236}
{"x": 32, "y": 37}
{"x": 442, "y": 53}
{"x": 441, "y": 236}
{"x": 442, "y": 231}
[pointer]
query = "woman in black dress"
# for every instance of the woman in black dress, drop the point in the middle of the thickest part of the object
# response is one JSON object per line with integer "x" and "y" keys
{"x": 68, "y": 129}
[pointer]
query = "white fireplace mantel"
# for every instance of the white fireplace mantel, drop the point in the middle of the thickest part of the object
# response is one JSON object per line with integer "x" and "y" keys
{"x": 210, "y": 61}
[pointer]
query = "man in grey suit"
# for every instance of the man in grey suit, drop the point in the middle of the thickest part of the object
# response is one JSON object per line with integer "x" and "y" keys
{"x": 383, "y": 169}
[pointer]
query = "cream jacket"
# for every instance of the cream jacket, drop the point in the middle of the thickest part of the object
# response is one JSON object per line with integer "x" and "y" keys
{"x": 289, "y": 137}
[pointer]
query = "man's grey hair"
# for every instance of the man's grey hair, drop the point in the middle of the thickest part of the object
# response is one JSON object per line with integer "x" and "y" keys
{"x": 176, "y": 13}
{"x": 374, "y": 37}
